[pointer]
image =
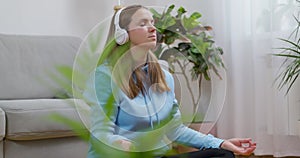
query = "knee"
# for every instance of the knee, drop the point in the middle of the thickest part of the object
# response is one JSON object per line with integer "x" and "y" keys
{"x": 228, "y": 154}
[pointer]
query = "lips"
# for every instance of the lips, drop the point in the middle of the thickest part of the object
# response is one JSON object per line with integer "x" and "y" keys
{"x": 152, "y": 36}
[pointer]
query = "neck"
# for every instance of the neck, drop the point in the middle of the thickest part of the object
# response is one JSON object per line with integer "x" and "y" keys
{"x": 139, "y": 55}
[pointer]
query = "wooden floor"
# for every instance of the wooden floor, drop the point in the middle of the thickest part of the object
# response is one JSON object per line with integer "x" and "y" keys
{"x": 182, "y": 149}
{"x": 264, "y": 157}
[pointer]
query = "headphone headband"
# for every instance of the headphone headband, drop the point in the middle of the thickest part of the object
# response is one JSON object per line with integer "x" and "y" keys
{"x": 117, "y": 17}
{"x": 121, "y": 35}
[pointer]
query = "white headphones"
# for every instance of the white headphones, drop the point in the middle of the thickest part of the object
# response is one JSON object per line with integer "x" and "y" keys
{"x": 121, "y": 35}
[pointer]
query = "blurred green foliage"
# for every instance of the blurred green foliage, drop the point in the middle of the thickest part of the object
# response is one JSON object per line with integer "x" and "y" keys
{"x": 291, "y": 65}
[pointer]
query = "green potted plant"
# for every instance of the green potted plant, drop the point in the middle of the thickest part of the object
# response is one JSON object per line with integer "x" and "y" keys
{"x": 291, "y": 65}
{"x": 184, "y": 42}
{"x": 190, "y": 51}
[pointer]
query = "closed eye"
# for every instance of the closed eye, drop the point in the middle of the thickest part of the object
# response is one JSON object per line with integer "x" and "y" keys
{"x": 143, "y": 24}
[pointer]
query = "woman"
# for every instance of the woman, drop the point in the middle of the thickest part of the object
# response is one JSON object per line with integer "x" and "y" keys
{"x": 136, "y": 113}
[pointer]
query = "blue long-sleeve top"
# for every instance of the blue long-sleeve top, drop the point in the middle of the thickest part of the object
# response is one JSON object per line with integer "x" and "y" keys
{"x": 149, "y": 121}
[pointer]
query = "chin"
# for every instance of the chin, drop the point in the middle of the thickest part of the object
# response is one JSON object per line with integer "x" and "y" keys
{"x": 152, "y": 44}
{"x": 149, "y": 45}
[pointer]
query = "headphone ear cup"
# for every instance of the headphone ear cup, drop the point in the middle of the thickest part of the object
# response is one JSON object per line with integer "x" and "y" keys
{"x": 121, "y": 36}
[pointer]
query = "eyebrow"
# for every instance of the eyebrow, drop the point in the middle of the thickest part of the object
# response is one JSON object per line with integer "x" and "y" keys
{"x": 145, "y": 19}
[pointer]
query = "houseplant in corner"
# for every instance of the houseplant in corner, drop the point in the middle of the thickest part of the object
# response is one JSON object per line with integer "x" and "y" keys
{"x": 190, "y": 51}
{"x": 291, "y": 65}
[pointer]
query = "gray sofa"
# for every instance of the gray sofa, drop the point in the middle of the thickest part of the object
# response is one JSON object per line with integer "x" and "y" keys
{"x": 28, "y": 98}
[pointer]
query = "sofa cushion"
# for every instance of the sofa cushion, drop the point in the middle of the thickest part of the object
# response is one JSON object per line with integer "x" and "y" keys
{"x": 2, "y": 149}
{"x": 30, "y": 119}
{"x": 2, "y": 125}
{"x": 26, "y": 61}
{"x": 69, "y": 147}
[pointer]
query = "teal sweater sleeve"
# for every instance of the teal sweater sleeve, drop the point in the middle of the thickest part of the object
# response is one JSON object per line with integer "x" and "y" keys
{"x": 184, "y": 135}
{"x": 104, "y": 107}
{"x": 189, "y": 137}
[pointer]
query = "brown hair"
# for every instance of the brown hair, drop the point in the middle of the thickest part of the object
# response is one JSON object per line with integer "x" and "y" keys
{"x": 128, "y": 78}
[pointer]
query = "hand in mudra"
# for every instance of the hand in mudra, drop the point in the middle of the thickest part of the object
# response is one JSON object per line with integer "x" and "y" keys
{"x": 240, "y": 146}
{"x": 124, "y": 145}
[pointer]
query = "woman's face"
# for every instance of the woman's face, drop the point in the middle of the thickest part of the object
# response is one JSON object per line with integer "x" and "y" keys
{"x": 141, "y": 29}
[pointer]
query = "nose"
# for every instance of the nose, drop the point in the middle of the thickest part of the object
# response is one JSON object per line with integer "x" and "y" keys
{"x": 152, "y": 28}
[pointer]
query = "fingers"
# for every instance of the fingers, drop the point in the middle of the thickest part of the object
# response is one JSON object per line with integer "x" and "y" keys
{"x": 245, "y": 140}
{"x": 240, "y": 146}
{"x": 126, "y": 145}
{"x": 249, "y": 143}
{"x": 123, "y": 145}
{"x": 247, "y": 151}
{"x": 244, "y": 151}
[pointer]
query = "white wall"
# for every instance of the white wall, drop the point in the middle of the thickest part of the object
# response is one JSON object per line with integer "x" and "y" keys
{"x": 71, "y": 17}
{"x": 54, "y": 17}
{"x": 51, "y": 17}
